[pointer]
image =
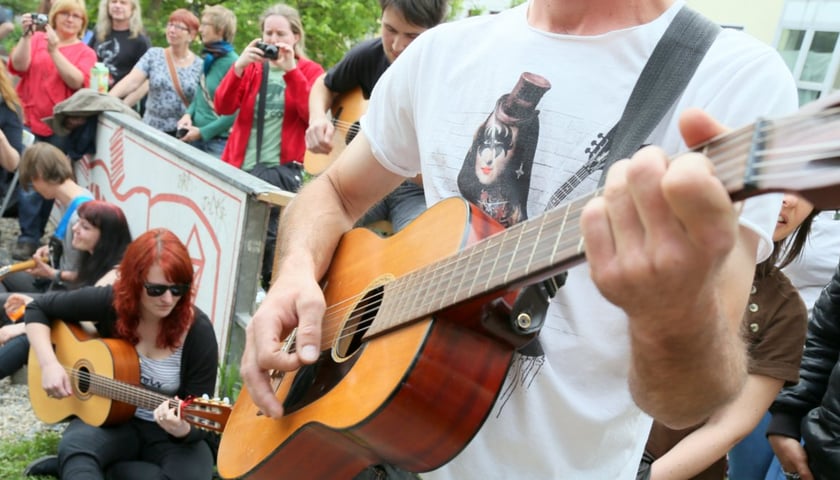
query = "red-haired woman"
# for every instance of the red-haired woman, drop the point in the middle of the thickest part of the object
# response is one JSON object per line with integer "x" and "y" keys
{"x": 150, "y": 306}
{"x": 168, "y": 95}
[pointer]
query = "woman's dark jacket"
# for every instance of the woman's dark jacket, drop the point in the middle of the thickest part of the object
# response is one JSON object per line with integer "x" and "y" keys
{"x": 811, "y": 409}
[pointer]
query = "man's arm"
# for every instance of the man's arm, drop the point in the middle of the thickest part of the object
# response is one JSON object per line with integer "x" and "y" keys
{"x": 311, "y": 228}
{"x": 663, "y": 244}
{"x": 320, "y": 131}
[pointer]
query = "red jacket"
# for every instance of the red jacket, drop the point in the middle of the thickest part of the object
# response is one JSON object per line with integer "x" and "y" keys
{"x": 240, "y": 93}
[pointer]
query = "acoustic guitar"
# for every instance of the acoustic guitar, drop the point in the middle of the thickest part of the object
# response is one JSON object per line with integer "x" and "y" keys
{"x": 105, "y": 374}
{"x": 346, "y": 110}
{"x": 415, "y": 346}
{"x": 17, "y": 267}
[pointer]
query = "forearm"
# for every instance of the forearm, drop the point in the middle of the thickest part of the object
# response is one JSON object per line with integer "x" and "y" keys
{"x": 686, "y": 366}
{"x": 129, "y": 84}
{"x": 69, "y": 73}
{"x": 39, "y": 341}
{"x": 137, "y": 94}
{"x": 9, "y": 157}
{"x": 320, "y": 100}
{"x": 21, "y": 54}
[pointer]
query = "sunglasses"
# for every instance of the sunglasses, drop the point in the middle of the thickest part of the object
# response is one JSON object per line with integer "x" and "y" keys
{"x": 158, "y": 289}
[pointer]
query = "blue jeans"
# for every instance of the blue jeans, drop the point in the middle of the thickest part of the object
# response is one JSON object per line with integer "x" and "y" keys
{"x": 214, "y": 146}
{"x": 400, "y": 207}
{"x": 750, "y": 458}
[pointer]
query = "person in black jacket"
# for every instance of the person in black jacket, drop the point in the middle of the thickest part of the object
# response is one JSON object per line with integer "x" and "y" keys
{"x": 150, "y": 306}
{"x": 810, "y": 410}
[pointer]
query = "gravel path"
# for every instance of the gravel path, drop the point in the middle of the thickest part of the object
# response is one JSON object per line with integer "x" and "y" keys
{"x": 16, "y": 418}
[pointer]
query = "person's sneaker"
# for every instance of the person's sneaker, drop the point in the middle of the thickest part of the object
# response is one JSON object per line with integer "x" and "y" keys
{"x": 23, "y": 250}
{"x": 46, "y": 466}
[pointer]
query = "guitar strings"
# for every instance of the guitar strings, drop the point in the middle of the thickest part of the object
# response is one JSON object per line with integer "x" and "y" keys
{"x": 722, "y": 146}
{"x": 118, "y": 390}
{"x": 730, "y": 150}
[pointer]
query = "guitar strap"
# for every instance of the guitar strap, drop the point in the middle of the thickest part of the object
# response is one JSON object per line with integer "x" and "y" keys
{"x": 663, "y": 79}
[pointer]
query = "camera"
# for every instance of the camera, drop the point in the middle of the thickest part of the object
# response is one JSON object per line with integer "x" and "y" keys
{"x": 39, "y": 19}
{"x": 269, "y": 51}
{"x": 181, "y": 132}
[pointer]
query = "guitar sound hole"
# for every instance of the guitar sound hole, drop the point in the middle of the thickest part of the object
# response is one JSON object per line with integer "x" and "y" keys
{"x": 358, "y": 323}
{"x": 83, "y": 382}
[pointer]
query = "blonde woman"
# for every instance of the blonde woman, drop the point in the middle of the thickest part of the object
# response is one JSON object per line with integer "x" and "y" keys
{"x": 120, "y": 39}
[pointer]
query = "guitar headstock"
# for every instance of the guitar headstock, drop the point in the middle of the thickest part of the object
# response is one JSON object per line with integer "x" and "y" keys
{"x": 209, "y": 414}
{"x": 798, "y": 154}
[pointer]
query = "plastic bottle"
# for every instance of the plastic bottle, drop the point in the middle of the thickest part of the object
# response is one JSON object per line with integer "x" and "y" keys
{"x": 99, "y": 76}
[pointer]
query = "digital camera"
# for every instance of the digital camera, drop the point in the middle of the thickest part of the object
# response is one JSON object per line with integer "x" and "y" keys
{"x": 39, "y": 19}
{"x": 269, "y": 51}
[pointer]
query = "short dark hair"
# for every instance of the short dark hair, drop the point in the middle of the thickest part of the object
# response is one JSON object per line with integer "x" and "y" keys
{"x": 423, "y": 13}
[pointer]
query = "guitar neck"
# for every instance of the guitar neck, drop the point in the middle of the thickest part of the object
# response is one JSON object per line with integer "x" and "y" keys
{"x": 119, "y": 391}
{"x": 797, "y": 153}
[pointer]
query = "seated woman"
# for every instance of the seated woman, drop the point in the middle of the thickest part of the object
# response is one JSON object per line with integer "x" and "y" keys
{"x": 102, "y": 235}
{"x": 773, "y": 328}
{"x": 150, "y": 306}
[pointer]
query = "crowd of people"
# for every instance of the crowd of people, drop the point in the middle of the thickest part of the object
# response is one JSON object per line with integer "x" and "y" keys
{"x": 691, "y": 315}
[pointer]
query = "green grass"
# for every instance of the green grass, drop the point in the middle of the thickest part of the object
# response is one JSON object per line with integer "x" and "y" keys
{"x": 14, "y": 456}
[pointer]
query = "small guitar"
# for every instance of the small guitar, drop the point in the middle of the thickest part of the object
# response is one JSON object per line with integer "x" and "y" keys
{"x": 17, "y": 267}
{"x": 105, "y": 373}
{"x": 346, "y": 110}
{"x": 415, "y": 348}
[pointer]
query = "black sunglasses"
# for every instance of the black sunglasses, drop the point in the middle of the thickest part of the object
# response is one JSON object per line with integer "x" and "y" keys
{"x": 158, "y": 289}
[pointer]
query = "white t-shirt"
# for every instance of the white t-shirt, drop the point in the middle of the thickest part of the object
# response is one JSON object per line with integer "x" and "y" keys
{"x": 569, "y": 414}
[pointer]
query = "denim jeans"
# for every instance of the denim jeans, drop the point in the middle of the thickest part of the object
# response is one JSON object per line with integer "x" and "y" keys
{"x": 400, "y": 207}
{"x": 751, "y": 457}
{"x": 214, "y": 146}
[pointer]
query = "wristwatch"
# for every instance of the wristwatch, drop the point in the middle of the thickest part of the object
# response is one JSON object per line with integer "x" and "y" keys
{"x": 58, "y": 280}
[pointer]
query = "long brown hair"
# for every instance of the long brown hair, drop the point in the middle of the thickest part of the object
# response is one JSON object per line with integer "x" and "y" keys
{"x": 7, "y": 91}
{"x": 158, "y": 246}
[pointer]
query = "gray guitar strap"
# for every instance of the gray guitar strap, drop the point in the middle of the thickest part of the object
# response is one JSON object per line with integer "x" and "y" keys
{"x": 663, "y": 79}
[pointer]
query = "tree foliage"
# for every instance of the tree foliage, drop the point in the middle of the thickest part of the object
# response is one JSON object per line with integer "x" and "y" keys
{"x": 331, "y": 26}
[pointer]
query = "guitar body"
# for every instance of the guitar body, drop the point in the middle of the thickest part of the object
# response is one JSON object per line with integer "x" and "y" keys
{"x": 347, "y": 109}
{"x": 108, "y": 357}
{"x": 412, "y": 396}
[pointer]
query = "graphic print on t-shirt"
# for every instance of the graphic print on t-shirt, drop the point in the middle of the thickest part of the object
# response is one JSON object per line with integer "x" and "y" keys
{"x": 496, "y": 173}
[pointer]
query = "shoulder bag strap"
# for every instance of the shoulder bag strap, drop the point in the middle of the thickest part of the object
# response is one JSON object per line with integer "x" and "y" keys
{"x": 261, "y": 108}
{"x": 202, "y": 82}
{"x": 174, "y": 75}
